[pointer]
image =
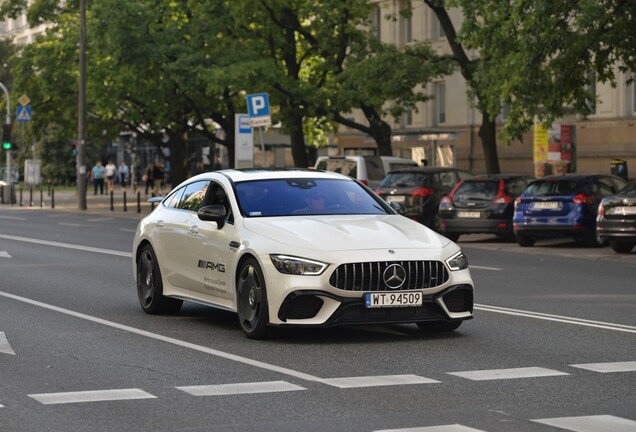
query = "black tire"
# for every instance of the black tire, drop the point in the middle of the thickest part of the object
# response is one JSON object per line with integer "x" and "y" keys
{"x": 150, "y": 286}
{"x": 525, "y": 240}
{"x": 621, "y": 247}
{"x": 439, "y": 326}
{"x": 592, "y": 240}
{"x": 251, "y": 300}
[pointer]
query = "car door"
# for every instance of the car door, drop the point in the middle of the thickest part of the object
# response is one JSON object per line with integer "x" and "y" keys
{"x": 212, "y": 250}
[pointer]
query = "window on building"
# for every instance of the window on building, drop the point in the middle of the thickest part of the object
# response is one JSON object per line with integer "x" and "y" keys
{"x": 406, "y": 23}
{"x": 440, "y": 103}
{"x": 376, "y": 21}
{"x": 633, "y": 86}
{"x": 437, "y": 32}
{"x": 591, "y": 89}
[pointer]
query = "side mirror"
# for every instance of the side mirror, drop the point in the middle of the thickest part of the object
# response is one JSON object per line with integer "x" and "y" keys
{"x": 213, "y": 213}
{"x": 399, "y": 208}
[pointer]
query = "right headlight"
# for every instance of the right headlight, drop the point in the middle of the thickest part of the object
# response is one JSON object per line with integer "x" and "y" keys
{"x": 457, "y": 261}
{"x": 297, "y": 266}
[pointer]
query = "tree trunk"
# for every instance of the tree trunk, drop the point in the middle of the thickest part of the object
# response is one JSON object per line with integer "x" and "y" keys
{"x": 178, "y": 158}
{"x": 379, "y": 130}
{"x": 297, "y": 141}
{"x": 488, "y": 135}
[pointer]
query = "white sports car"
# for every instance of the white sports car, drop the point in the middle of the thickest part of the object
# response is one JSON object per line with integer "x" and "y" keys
{"x": 295, "y": 247}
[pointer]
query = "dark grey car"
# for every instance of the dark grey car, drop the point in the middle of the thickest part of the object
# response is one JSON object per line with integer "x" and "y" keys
{"x": 616, "y": 219}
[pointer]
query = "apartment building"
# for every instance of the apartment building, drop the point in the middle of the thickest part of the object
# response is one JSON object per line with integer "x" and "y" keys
{"x": 445, "y": 130}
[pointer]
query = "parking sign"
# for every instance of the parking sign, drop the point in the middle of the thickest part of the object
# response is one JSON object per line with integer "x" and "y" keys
{"x": 258, "y": 109}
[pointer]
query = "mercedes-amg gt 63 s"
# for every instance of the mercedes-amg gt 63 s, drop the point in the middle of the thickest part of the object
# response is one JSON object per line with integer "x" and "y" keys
{"x": 297, "y": 248}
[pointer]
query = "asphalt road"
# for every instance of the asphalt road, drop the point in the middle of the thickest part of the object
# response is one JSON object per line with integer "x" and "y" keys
{"x": 553, "y": 343}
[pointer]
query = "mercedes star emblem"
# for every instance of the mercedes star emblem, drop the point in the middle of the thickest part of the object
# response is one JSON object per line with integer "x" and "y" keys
{"x": 394, "y": 276}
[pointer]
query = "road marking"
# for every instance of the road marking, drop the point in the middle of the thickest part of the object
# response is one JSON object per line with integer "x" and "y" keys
{"x": 375, "y": 381}
{"x": 91, "y": 396}
{"x": 13, "y": 218}
{"x": 127, "y": 230}
{"x": 67, "y": 245}
{"x": 240, "y": 388}
{"x": 557, "y": 318}
{"x": 484, "y": 268}
{"x": 69, "y": 224}
{"x": 591, "y": 423}
{"x": 195, "y": 347}
{"x": 444, "y": 428}
{"x": 514, "y": 373}
{"x": 609, "y": 367}
{"x": 4, "y": 345}
{"x": 4, "y": 254}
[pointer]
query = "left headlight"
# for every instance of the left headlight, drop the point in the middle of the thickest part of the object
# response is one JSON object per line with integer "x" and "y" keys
{"x": 297, "y": 266}
{"x": 457, "y": 261}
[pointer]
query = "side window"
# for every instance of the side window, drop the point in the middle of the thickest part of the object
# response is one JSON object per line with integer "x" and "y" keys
{"x": 605, "y": 186}
{"x": 464, "y": 175}
{"x": 193, "y": 195}
{"x": 172, "y": 200}
{"x": 515, "y": 187}
{"x": 448, "y": 179}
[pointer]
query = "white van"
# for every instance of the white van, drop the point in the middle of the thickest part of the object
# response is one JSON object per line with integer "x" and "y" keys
{"x": 369, "y": 170}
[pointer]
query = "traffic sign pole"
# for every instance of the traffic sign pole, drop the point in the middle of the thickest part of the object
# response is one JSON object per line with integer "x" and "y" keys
{"x": 258, "y": 109}
{"x": 8, "y": 121}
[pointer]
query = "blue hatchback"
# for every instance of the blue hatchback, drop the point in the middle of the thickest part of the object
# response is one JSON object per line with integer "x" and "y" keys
{"x": 562, "y": 206}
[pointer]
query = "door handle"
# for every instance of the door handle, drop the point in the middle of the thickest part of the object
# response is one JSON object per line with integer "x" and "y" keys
{"x": 194, "y": 229}
{"x": 159, "y": 224}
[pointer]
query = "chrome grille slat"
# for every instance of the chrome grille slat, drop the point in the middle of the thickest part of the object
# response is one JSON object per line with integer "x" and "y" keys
{"x": 368, "y": 276}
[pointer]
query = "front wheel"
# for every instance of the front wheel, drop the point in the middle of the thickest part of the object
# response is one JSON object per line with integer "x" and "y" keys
{"x": 439, "y": 326}
{"x": 150, "y": 286}
{"x": 621, "y": 247}
{"x": 252, "y": 300}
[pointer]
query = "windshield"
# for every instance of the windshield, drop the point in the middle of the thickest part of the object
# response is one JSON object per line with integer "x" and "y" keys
{"x": 404, "y": 179}
{"x": 553, "y": 188}
{"x": 287, "y": 197}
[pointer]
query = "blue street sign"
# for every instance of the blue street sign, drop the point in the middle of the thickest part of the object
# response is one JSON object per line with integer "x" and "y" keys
{"x": 258, "y": 105}
{"x": 23, "y": 113}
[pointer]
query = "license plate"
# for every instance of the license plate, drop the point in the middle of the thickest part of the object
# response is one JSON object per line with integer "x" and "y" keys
{"x": 395, "y": 299}
{"x": 395, "y": 198}
{"x": 624, "y": 210}
{"x": 468, "y": 214}
{"x": 548, "y": 205}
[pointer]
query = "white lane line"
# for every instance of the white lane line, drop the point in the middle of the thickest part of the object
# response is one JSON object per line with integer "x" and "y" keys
{"x": 206, "y": 350}
{"x": 514, "y": 373}
{"x": 484, "y": 268}
{"x": 66, "y": 245}
{"x": 608, "y": 367}
{"x": 4, "y": 254}
{"x": 556, "y": 318}
{"x": 91, "y": 396}
{"x": 4, "y": 345}
{"x": 591, "y": 423}
{"x": 13, "y": 218}
{"x": 101, "y": 219}
{"x": 240, "y": 388}
{"x": 69, "y": 224}
{"x": 376, "y": 381}
{"x": 127, "y": 230}
{"x": 443, "y": 428}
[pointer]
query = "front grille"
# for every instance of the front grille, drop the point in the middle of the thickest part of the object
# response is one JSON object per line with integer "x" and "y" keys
{"x": 368, "y": 276}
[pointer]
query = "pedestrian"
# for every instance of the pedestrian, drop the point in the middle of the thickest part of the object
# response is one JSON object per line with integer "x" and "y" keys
{"x": 110, "y": 171}
{"x": 217, "y": 163}
{"x": 157, "y": 175}
{"x": 147, "y": 178}
{"x": 124, "y": 174}
{"x": 97, "y": 173}
{"x": 198, "y": 168}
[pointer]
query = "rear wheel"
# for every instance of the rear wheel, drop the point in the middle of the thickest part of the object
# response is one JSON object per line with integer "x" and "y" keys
{"x": 525, "y": 240}
{"x": 439, "y": 326}
{"x": 150, "y": 286}
{"x": 621, "y": 246}
{"x": 252, "y": 300}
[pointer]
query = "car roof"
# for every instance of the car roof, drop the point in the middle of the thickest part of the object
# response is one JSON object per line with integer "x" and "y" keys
{"x": 248, "y": 174}
{"x": 572, "y": 177}
{"x": 421, "y": 169}
{"x": 482, "y": 177}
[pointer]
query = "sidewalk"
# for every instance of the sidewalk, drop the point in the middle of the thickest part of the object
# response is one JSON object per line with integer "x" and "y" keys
{"x": 68, "y": 201}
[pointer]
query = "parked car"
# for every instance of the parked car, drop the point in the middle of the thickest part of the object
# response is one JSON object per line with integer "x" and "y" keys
{"x": 562, "y": 206}
{"x": 296, "y": 248}
{"x": 419, "y": 190}
{"x": 369, "y": 170}
{"x": 616, "y": 219}
{"x": 482, "y": 204}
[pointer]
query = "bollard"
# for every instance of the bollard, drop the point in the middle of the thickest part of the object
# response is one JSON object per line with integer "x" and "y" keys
{"x": 112, "y": 206}
{"x": 138, "y": 202}
{"x": 52, "y": 198}
{"x": 41, "y": 197}
{"x": 152, "y": 204}
{"x": 20, "y": 197}
{"x": 125, "y": 207}
{"x": 30, "y": 197}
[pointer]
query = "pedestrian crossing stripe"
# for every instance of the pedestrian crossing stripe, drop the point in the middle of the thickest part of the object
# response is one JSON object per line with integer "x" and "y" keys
{"x": 591, "y": 423}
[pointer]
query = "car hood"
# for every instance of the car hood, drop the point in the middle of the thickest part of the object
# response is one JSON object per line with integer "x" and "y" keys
{"x": 344, "y": 233}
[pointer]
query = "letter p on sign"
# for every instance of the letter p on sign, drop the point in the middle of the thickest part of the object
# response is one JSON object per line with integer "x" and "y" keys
{"x": 258, "y": 109}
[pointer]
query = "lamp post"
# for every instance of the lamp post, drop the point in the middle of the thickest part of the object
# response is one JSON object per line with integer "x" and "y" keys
{"x": 81, "y": 115}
